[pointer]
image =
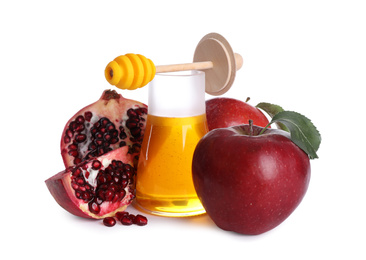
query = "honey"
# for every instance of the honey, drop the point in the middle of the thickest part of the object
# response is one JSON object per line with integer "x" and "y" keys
{"x": 164, "y": 179}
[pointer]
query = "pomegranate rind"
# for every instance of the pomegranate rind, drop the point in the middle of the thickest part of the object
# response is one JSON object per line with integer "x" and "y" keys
{"x": 111, "y": 105}
{"x": 60, "y": 188}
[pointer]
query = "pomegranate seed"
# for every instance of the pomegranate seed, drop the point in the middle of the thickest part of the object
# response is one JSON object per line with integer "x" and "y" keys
{"x": 88, "y": 115}
{"x": 126, "y": 221}
{"x": 121, "y": 214}
{"x": 105, "y": 121}
{"x": 80, "y": 119}
{"x": 124, "y": 184}
{"x": 109, "y": 195}
{"x": 112, "y": 187}
{"x": 122, "y": 134}
{"x": 102, "y": 179}
{"x": 109, "y": 221}
{"x": 72, "y": 147}
{"x": 143, "y": 110}
{"x": 115, "y": 198}
{"x": 77, "y": 161}
{"x": 132, "y": 217}
{"x": 140, "y": 220}
{"x": 113, "y": 141}
{"x": 107, "y": 137}
{"x": 80, "y": 138}
{"x": 135, "y": 131}
{"x": 130, "y": 124}
{"x": 131, "y": 113}
{"x": 86, "y": 196}
{"x": 79, "y": 128}
{"x": 72, "y": 126}
{"x": 67, "y": 139}
{"x": 80, "y": 180}
{"x": 77, "y": 172}
{"x": 73, "y": 153}
{"x": 111, "y": 127}
{"x": 77, "y": 194}
{"x": 121, "y": 194}
{"x": 96, "y": 165}
{"x": 69, "y": 133}
{"x": 94, "y": 207}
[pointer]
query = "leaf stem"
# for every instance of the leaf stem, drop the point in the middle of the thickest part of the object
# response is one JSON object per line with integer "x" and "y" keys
{"x": 264, "y": 129}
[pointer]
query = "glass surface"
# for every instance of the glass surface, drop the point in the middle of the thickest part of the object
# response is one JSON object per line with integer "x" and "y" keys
{"x": 164, "y": 183}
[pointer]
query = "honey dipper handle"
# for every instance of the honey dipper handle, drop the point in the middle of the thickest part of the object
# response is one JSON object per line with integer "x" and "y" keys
{"x": 185, "y": 66}
{"x": 203, "y": 65}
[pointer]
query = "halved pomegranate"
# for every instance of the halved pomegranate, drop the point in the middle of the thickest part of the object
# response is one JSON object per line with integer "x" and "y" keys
{"x": 111, "y": 122}
{"x": 98, "y": 187}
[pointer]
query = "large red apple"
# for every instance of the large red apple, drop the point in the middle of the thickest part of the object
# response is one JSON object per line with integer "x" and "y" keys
{"x": 225, "y": 112}
{"x": 249, "y": 183}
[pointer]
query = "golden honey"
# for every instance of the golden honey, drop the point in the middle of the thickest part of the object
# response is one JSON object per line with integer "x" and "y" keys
{"x": 164, "y": 179}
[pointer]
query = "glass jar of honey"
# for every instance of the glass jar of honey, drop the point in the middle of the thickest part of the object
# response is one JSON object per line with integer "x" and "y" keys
{"x": 176, "y": 121}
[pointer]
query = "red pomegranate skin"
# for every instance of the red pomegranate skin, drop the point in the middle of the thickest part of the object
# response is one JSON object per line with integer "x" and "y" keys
{"x": 226, "y": 112}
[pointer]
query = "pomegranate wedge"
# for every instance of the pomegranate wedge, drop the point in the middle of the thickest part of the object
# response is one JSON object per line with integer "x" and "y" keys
{"x": 97, "y": 187}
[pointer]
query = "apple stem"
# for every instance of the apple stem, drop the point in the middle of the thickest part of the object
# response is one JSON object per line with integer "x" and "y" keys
{"x": 250, "y": 127}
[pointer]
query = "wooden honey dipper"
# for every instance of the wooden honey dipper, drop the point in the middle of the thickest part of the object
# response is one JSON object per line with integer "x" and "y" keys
{"x": 213, "y": 54}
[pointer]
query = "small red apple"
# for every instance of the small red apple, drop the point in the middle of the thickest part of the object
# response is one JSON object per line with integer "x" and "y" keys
{"x": 226, "y": 112}
{"x": 249, "y": 182}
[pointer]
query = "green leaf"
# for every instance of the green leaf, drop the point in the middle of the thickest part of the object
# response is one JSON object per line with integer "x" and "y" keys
{"x": 303, "y": 133}
{"x": 272, "y": 110}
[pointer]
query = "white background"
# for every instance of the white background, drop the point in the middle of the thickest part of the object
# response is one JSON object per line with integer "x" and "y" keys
{"x": 307, "y": 56}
